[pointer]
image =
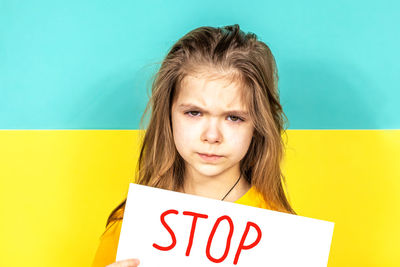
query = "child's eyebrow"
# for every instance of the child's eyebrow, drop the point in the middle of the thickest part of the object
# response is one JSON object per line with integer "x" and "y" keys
{"x": 241, "y": 113}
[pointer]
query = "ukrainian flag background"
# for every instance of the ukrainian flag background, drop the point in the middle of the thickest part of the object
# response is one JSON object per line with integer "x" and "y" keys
{"x": 74, "y": 77}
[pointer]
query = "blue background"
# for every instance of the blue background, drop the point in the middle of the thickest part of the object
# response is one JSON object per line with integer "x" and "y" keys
{"x": 87, "y": 64}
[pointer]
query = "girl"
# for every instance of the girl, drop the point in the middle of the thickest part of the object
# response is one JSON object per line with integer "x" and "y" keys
{"x": 215, "y": 127}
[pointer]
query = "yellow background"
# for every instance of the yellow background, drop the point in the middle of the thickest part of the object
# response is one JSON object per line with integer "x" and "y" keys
{"x": 58, "y": 187}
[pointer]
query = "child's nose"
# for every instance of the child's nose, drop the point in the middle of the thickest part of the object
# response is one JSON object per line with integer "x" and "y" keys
{"x": 211, "y": 132}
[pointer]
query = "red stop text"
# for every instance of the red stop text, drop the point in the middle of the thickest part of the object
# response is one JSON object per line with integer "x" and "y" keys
{"x": 198, "y": 216}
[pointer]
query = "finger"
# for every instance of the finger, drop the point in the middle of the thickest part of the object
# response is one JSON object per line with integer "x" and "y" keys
{"x": 125, "y": 263}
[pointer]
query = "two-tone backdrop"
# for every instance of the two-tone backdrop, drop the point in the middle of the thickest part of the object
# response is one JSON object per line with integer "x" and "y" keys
{"x": 74, "y": 81}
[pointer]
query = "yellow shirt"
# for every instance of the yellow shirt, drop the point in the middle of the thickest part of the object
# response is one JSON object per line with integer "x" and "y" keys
{"x": 107, "y": 250}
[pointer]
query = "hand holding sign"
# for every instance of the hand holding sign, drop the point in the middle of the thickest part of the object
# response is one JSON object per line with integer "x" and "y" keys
{"x": 125, "y": 263}
{"x": 166, "y": 228}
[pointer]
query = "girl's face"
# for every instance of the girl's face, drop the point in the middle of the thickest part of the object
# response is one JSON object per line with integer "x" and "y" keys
{"x": 209, "y": 117}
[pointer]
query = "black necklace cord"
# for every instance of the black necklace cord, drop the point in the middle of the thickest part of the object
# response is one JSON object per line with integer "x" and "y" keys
{"x": 232, "y": 188}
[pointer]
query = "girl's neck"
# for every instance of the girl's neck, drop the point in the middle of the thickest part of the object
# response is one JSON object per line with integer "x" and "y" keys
{"x": 216, "y": 187}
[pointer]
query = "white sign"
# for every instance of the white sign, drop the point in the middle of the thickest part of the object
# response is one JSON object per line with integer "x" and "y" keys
{"x": 166, "y": 228}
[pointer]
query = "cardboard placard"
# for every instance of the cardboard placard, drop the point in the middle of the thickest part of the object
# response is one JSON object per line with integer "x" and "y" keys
{"x": 166, "y": 228}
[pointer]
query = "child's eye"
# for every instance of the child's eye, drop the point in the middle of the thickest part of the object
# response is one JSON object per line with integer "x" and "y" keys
{"x": 235, "y": 118}
{"x": 193, "y": 113}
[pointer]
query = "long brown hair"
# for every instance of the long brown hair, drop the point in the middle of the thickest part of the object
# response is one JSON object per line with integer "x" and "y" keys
{"x": 227, "y": 49}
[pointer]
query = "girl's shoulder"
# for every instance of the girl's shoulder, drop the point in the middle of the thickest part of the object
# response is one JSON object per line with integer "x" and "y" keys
{"x": 107, "y": 249}
{"x": 253, "y": 198}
